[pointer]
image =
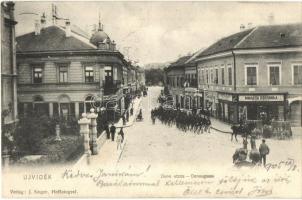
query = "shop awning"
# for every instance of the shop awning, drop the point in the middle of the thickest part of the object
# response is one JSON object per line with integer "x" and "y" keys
{"x": 291, "y": 100}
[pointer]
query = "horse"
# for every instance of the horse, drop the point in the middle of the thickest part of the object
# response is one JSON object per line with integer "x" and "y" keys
{"x": 236, "y": 130}
{"x": 245, "y": 130}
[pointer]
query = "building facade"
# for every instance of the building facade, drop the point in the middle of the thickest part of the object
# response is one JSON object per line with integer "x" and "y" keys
{"x": 254, "y": 72}
{"x": 182, "y": 83}
{"x": 63, "y": 73}
{"x": 8, "y": 65}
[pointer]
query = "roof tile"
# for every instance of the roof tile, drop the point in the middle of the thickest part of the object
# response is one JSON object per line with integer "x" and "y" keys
{"x": 51, "y": 38}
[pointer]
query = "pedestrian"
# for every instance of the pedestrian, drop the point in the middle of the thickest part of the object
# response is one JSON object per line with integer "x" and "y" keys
{"x": 245, "y": 143}
{"x": 112, "y": 131}
{"x": 263, "y": 150}
{"x": 106, "y": 127}
{"x": 153, "y": 119}
{"x": 127, "y": 116}
{"x": 122, "y": 134}
{"x": 119, "y": 140}
{"x": 208, "y": 121}
{"x": 253, "y": 143}
{"x": 124, "y": 119}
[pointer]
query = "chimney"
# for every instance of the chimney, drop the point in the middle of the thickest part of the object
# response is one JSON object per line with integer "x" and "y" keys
{"x": 113, "y": 45}
{"x": 43, "y": 21}
{"x": 37, "y": 27}
{"x": 67, "y": 28}
{"x": 242, "y": 27}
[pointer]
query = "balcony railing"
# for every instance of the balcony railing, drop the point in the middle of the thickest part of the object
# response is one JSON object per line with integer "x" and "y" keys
{"x": 111, "y": 87}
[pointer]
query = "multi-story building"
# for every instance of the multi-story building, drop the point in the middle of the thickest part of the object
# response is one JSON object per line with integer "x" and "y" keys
{"x": 63, "y": 72}
{"x": 254, "y": 72}
{"x": 192, "y": 98}
{"x": 8, "y": 65}
{"x": 140, "y": 76}
{"x": 181, "y": 80}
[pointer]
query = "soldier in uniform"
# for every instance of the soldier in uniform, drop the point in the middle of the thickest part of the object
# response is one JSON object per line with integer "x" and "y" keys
{"x": 112, "y": 131}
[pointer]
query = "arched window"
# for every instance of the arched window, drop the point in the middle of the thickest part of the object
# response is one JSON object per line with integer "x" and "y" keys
{"x": 89, "y": 100}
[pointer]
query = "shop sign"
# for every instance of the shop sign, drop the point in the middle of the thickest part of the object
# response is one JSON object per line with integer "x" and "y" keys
{"x": 191, "y": 89}
{"x": 261, "y": 98}
{"x": 226, "y": 97}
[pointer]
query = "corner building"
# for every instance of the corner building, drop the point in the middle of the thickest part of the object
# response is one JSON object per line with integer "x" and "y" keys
{"x": 63, "y": 72}
{"x": 254, "y": 71}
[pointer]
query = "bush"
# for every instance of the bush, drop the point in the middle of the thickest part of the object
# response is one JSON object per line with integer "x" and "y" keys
{"x": 31, "y": 129}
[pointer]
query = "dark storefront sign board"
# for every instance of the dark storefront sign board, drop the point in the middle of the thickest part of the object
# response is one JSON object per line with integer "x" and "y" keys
{"x": 251, "y": 97}
{"x": 261, "y": 98}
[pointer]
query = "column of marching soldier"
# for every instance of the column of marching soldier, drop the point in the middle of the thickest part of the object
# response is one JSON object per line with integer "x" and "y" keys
{"x": 184, "y": 121}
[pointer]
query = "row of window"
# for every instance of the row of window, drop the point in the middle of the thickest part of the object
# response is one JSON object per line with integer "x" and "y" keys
{"x": 175, "y": 81}
{"x": 212, "y": 76}
{"x": 89, "y": 73}
{"x": 178, "y": 81}
{"x": 274, "y": 74}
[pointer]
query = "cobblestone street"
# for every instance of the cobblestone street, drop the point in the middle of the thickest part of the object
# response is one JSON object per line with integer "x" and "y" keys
{"x": 160, "y": 145}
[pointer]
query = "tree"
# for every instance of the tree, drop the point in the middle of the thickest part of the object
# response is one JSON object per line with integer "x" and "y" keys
{"x": 154, "y": 76}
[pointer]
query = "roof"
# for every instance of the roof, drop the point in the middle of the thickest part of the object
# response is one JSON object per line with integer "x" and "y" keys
{"x": 52, "y": 38}
{"x": 226, "y": 43}
{"x": 272, "y": 36}
{"x": 77, "y": 30}
{"x": 180, "y": 62}
{"x": 287, "y": 35}
{"x": 99, "y": 36}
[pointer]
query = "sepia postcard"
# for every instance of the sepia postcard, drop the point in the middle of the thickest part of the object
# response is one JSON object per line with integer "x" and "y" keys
{"x": 136, "y": 99}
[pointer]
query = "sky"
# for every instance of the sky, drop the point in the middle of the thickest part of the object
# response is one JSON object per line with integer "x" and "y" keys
{"x": 161, "y": 31}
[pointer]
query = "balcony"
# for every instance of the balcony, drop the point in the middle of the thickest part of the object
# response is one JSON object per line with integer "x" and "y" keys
{"x": 111, "y": 87}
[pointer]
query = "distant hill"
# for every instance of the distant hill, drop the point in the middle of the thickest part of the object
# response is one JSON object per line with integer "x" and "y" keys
{"x": 156, "y": 65}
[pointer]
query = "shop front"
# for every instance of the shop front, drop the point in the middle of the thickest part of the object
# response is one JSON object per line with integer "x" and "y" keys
{"x": 227, "y": 107}
{"x": 199, "y": 100}
{"x": 255, "y": 106}
{"x": 191, "y": 98}
{"x": 211, "y": 102}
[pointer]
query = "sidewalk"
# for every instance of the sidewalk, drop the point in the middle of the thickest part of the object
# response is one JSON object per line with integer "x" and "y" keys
{"x": 108, "y": 153}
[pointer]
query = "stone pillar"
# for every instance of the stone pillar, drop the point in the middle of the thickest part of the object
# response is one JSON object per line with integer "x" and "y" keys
{"x": 50, "y": 106}
{"x": 58, "y": 132}
{"x": 77, "y": 109}
{"x": 102, "y": 76}
{"x": 84, "y": 131}
{"x": 92, "y": 116}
